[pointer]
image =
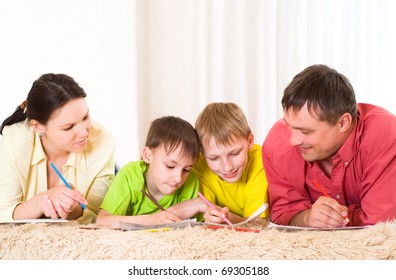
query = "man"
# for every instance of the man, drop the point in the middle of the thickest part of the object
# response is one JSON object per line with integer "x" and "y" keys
{"x": 330, "y": 162}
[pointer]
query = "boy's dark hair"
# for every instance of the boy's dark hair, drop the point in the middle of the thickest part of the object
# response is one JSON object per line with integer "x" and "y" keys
{"x": 172, "y": 132}
{"x": 326, "y": 92}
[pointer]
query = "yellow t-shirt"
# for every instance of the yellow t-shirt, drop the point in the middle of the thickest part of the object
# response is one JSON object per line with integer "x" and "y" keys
{"x": 242, "y": 197}
{"x": 23, "y": 168}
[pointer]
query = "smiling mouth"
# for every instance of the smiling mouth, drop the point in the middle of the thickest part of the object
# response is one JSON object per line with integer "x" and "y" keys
{"x": 304, "y": 149}
{"x": 231, "y": 175}
{"x": 82, "y": 142}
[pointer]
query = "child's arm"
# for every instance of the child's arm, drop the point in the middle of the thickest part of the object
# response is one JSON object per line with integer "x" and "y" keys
{"x": 188, "y": 208}
{"x": 234, "y": 218}
{"x": 106, "y": 219}
{"x": 191, "y": 207}
{"x": 216, "y": 216}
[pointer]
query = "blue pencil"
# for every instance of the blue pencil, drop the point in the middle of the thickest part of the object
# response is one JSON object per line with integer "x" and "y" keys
{"x": 65, "y": 182}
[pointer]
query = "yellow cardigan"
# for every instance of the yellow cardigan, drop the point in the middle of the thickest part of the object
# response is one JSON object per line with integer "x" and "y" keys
{"x": 23, "y": 168}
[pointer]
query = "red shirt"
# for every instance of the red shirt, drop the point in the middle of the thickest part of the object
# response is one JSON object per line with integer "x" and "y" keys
{"x": 363, "y": 177}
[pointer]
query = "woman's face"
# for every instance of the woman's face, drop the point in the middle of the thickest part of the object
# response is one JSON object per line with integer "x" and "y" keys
{"x": 68, "y": 128}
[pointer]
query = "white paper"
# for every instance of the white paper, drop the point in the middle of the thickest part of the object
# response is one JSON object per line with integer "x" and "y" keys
{"x": 180, "y": 224}
{"x": 34, "y": 221}
{"x": 190, "y": 222}
{"x": 283, "y": 227}
{"x": 257, "y": 213}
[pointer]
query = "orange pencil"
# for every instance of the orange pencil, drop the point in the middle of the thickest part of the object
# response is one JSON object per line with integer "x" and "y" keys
{"x": 322, "y": 190}
{"x": 320, "y": 187}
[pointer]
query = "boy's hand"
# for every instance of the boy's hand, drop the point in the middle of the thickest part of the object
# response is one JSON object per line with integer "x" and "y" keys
{"x": 188, "y": 208}
{"x": 164, "y": 217}
{"x": 216, "y": 215}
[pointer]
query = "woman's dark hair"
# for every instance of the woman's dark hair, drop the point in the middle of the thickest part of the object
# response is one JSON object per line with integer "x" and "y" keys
{"x": 48, "y": 93}
{"x": 325, "y": 91}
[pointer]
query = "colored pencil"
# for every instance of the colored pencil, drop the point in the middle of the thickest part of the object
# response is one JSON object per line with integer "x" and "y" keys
{"x": 149, "y": 196}
{"x": 322, "y": 190}
{"x": 214, "y": 227}
{"x": 213, "y": 207}
{"x": 320, "y": 187}
{"x": 65, "y": 182}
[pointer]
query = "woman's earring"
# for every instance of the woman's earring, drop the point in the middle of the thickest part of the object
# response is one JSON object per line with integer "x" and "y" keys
{"x": 40, "y": 135}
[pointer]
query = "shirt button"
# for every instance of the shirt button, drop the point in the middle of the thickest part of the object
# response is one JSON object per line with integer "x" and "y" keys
{"x": 338, "y": 196}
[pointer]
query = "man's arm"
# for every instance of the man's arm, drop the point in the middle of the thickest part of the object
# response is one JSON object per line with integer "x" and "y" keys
{"x": 378, "y": 188}
{"x": 285, "y": 171}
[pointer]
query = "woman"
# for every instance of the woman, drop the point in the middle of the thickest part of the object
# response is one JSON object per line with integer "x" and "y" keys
{"x": 53, "y": 126}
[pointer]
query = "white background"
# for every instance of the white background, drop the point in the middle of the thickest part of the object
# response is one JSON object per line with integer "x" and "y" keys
{"x": 141, "y": 59}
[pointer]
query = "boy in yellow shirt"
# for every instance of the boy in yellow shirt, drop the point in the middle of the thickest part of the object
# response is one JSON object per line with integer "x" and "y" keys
{"x": 230, "y": 168}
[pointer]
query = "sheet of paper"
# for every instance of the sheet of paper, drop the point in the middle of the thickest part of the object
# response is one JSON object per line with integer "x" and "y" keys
{"x": 34, "y": 221}
{"x": 257, "y": 213}
{"x": 283, "y": 227}
{"x": 188, "y": 222}
{"x": 183, "y": 223}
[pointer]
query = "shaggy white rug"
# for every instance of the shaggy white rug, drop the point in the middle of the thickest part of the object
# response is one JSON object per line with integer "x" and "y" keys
{"x": 69, "y": 241}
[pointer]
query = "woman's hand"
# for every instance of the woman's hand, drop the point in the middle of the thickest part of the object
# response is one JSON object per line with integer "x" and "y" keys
{"x": 62, "y": 202}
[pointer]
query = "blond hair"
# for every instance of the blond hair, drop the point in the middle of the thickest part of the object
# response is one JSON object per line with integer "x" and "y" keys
{"x": 222, "y": 121}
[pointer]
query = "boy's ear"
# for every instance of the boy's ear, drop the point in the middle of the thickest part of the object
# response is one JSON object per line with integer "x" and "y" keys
{"x": 147, "y": 155}
{"x": 250, "y": 140}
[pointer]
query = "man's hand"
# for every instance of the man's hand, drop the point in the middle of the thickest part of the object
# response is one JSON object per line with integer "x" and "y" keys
{"x": 326, "y": 212}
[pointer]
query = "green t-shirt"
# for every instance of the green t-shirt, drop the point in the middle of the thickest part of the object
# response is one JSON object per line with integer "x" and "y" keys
{"x": 125, "y": 196}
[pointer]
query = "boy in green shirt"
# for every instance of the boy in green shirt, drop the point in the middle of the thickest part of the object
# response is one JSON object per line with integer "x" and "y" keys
{"x": 161, "y": 179}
